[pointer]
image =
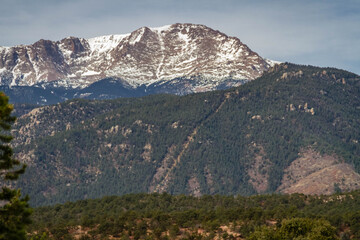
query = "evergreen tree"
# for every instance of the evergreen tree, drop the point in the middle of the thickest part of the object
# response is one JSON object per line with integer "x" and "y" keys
{"x": 14, "y": 210}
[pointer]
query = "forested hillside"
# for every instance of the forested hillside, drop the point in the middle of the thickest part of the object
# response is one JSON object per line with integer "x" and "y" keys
{"x": 295, "y": 126}
{"x": 162, "y": 216}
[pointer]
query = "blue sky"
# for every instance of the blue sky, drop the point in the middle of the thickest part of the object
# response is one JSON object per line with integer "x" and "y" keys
{"x": 315, "y": 32}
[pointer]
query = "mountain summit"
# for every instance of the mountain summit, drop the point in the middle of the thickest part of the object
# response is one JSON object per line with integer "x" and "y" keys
{"x": 143, "y": 57}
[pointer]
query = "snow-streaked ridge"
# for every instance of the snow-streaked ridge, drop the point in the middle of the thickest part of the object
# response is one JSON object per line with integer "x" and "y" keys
{"x": 272, "y": 62}
{"x": 143, "y": 57}
{"x": 160, "y": 29}
{"x": 105, "y": 43}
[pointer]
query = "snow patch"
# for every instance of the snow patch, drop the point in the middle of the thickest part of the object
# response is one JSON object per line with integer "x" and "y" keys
{"x": 66, "y": 83}
{"x": 90, "y": 73}
{"x": 272, "y": 62}
{"x": 66, "y": 52}
{"x": 4, "y": 50}
{"x": 185, "y": 38}
{"x": 83, "y": 95}
{"x": 136, "y": 36}
{"x": 2, "y": 70}
{"x": 105, "y": 43}
{"x": 160, "y": 29}
{"x": 71, "y": 75}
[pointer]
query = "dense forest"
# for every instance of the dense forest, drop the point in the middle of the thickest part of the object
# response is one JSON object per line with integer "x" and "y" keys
{"x": 163, "y": 216}
{"x": 108, "y": 88}
{"x": 236, "y": 141}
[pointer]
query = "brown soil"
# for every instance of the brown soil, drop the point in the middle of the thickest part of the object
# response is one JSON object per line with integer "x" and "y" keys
{"x": 313, "y": 173}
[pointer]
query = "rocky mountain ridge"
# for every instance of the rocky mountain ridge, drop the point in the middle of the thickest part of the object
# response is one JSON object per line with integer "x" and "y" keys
{"x": 143, "y": 57}
{"x": 294, "y": 129}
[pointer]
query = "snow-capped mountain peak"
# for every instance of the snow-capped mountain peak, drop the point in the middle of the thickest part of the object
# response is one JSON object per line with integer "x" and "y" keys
{"x": 143, "y": 57}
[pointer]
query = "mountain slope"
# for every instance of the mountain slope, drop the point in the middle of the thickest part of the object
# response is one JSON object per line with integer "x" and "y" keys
{"x": 143, "y": 57}
{"x": 245, "y": 140}
{"x": 107, "y": 88}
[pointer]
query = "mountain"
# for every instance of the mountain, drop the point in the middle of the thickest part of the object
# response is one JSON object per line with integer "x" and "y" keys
{"x": 192, "y": 57}
{"x": 107, "y": 88}
{"x": 294, "y": 129}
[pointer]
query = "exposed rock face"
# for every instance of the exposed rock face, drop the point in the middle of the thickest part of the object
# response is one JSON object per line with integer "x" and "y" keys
{"x": 145, "y": 56}
{"x": 313, "y": 173}
{"x": 258, "y": 172}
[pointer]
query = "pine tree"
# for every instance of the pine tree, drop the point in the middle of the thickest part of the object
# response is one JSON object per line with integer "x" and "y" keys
{"x": 14, "y": 210}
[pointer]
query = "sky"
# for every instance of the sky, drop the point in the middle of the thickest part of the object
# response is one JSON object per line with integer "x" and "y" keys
{"x": 313, "y": 32}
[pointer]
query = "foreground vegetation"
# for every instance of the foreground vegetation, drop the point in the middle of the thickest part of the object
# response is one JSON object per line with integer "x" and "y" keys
{"x": 163, "y": 216}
